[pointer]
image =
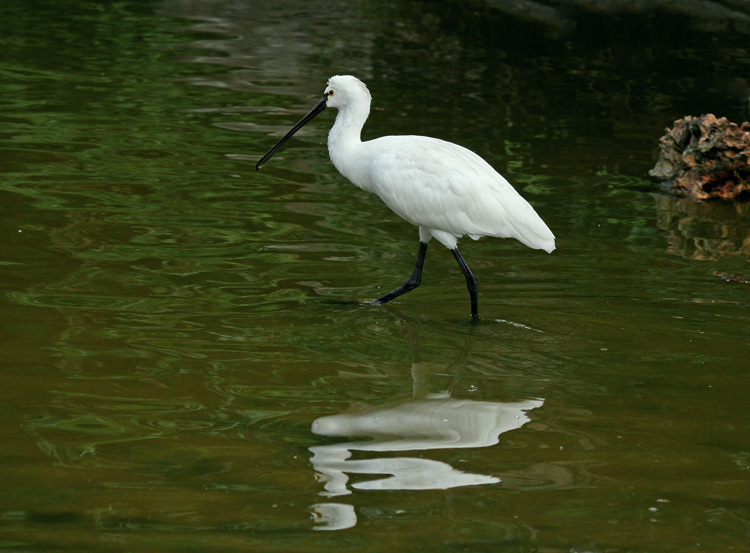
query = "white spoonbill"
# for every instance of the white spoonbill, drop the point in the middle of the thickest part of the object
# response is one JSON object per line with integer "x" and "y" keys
{"x": 444, "y": 189}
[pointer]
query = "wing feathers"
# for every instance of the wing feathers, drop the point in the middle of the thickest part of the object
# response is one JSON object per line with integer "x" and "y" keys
{"x": 445, "y": 187}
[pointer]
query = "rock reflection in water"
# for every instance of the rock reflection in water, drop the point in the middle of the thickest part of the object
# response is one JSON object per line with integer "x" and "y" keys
{"x": 704, "y": 229}
{"x": 423, "y": 422}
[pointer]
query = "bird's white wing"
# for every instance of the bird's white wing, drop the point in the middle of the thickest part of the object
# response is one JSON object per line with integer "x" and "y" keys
{"x": 445, "y": 187}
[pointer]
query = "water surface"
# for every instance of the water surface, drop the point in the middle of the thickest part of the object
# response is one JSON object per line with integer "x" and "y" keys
{"x": 188, "y": 359}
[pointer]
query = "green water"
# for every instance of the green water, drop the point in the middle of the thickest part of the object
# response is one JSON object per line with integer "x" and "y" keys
{"x": 174, "y": 326}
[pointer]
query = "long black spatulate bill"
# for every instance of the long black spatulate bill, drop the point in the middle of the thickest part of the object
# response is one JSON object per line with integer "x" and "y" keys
{"x": 320, "y": 106}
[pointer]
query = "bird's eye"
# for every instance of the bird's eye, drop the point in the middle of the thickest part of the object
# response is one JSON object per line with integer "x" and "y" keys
{"x": 330, "y": 92}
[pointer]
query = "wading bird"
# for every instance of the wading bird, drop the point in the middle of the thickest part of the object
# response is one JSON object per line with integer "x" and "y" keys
{"x": 444, "y": 189}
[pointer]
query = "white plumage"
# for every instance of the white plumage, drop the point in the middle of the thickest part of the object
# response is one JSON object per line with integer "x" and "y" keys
{"x": 446, "y": 190}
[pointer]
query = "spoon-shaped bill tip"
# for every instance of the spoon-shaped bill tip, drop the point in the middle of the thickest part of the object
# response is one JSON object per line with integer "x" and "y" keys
{"x": 320, "y": 106}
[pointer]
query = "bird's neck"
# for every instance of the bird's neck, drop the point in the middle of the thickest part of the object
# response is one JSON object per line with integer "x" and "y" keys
{"x": 344, "y": 141}
{"x": 347, "y": 128}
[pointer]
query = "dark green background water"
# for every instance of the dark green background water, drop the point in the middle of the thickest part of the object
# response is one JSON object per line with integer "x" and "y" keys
{"x": 173, "y": 322}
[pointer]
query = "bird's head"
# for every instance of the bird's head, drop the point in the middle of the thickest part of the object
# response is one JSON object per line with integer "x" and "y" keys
{"x": 345, "y": 90}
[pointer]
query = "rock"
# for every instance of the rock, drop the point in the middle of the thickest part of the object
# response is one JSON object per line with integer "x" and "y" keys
{"x": 705, "y": 157}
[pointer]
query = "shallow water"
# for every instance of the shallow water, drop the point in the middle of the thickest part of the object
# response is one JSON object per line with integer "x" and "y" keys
{"x": 189, "y": 362}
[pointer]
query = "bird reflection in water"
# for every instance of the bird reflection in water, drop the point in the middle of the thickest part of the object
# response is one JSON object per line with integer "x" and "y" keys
{"x": 422, "y": 422}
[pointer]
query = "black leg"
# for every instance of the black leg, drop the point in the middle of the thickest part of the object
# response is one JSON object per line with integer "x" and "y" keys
{"x": 471, "y": 282}
{"x": 411, "y": 283}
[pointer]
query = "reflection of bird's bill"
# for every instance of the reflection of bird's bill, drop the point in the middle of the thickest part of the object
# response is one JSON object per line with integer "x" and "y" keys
{"x": 320, "y": 106}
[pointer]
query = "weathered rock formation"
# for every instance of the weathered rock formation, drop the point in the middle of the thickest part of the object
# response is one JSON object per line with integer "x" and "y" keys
{"x": 705, "y": 157}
